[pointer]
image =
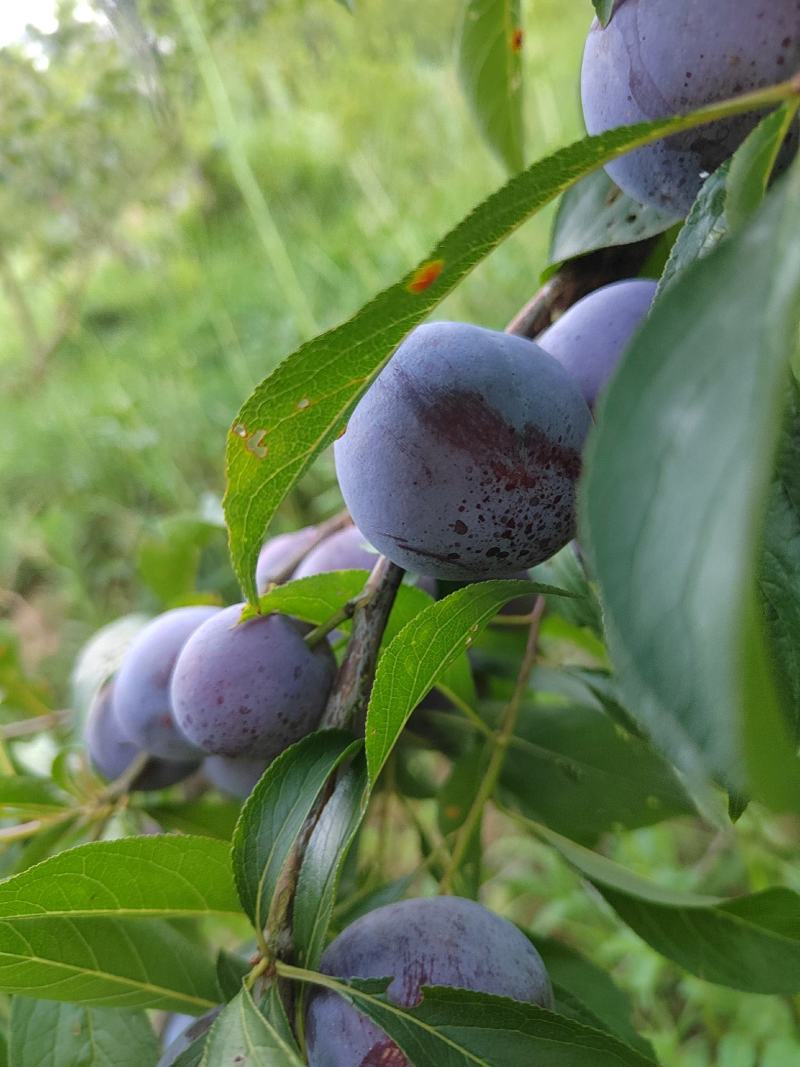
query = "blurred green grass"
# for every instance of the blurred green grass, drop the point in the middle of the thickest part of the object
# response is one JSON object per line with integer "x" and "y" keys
{"x": 365, "y": 153}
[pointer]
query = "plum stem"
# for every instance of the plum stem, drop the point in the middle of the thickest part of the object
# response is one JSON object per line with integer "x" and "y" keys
{"x": 346, "y": 704}
{"x": 499, "y": 743}
{"x": 350, "y": 696}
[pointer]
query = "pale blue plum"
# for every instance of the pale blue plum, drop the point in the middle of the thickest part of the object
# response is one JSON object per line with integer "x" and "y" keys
{"x": 142, "y": 703}
{"x": 111, "y": 753}
{"x": 280, "y": 551}
{"x": 235, "y": 775}
{"x": 592, "y": 336}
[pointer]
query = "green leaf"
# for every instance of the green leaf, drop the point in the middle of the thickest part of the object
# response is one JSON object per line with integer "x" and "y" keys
{"x": 317, "y": 598}
{"x": 595, "y": 213}
{"x": 604, "y": 9}
{"x": 275, "y": 812}
{"x": 142, "y": 877}
{"x": 752, "y": 165}
{"x": 44, "y": 1033}
{"x": 322, "y": 864}
{"x": 118, "y": 963}
{"x": 674, "y": 502}
{"x": 242, "y": 1035}
{"x": 26, "y": 795}
{"x": 209, "y": 816}
{"x": 705, "y": 226}
{"x": 453, "y": 806}
{"x": 231, "y": 972}
{"x": 413, "y": 662}
{"x": 580, "y": 985}
{"x": 573, "y": 769}
{"x": 461, "y": 1028}
{"x": 490, "y": 67}
{"x": 779, "y": 574}
{"x": 751, "y": 943}
{"x": 304, "y": 404}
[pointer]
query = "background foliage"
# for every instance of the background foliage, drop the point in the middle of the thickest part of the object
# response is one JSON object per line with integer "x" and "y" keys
{"x": 216, "y": 191}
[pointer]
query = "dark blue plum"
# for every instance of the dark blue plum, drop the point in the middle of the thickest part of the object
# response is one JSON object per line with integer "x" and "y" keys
{"x": 235, "y": 775}
{"x": 444, "y": 941}
{"x": 591, "y": 337}
{"x": 111, "y": 753}
{"x": 181, "y": 1032}
{"x": 461, "y": 460}
{"x": 250, "y": 688}
{"x": 662, "y": 57}
{"x": 277, "y": 553}
{"x": 141, "y": 693}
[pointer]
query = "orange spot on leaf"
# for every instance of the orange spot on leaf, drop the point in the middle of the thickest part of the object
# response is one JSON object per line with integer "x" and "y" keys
{"x": 424, "y": 276}
{"x": 517, "y": 37}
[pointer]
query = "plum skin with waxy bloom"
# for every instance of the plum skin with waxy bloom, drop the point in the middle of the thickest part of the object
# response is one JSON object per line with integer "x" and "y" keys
{"x": 444, "y": 941}
{"x": 250, "y": 688}
{"x": 461, "y": 460}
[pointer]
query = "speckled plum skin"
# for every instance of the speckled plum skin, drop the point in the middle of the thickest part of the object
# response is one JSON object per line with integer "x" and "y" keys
{"x": 250, "y": 688}
{"x": 461, "y": 460}
{"x": 235, "y": 775}
{"x": 111, "y": 753}
{"x": 142, "y": 690}
{"x": 662, "y": 57}
{"x": 444, "y": 941}
{"x": 591, "y": 337}
{"x": 278, "y": 552}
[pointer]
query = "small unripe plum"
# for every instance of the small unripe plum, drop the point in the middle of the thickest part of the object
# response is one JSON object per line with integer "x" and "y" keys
{"x": 591, "y": 337}
{"x": 235, "y": 775}
{"x": 446, "y": 941}
{"x": 111, "y": 753}
{"x": 278, "y": 552}
{"x": 141, "y": 693}
{"x": 251, "y": 687}
{"x": 461, "y": 460}
{"x": 662, "y": 57}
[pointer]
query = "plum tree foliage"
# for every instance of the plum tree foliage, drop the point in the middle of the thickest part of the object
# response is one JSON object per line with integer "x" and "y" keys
{"x": 271, "y": 775}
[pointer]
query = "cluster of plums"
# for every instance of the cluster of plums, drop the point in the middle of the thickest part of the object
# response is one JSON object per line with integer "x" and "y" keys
{"x": 426, "y": 941}
{"x": 459, "y": 463}
{"x": 489, "y": 457}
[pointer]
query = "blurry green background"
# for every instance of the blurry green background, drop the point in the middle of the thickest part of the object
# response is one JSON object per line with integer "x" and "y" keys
{"x": 182, "y": 202}
{"x": 146, "y": 285}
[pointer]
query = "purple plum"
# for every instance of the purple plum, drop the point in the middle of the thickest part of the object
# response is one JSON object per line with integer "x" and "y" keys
{"x": 461, "y": 460}
{"x": 663, "y": 57}
{"x": 141, "y": 694}
{"x": 278, "y": 552}
{"x": 591, "y": 337}
{"x": 250, "y": 688}
{"x": 445, "y": 941}
{"x": 111, "y": 753}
